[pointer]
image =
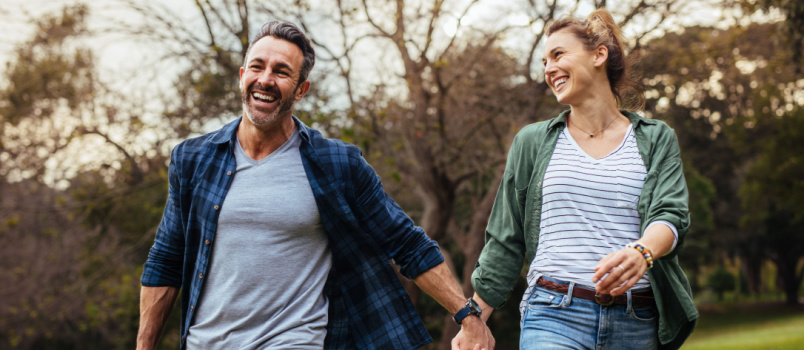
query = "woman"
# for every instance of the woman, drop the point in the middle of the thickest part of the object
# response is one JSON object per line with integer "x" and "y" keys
{"x": 595, "y": 202}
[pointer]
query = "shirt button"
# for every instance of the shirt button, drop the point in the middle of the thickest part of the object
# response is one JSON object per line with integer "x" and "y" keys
{"x": 229, "y": 173}
{"x": 206, "y": 242}
{"x": 200, "y": 275}
{"x": 217, "y": 207}
{"x": 192, "y": 307}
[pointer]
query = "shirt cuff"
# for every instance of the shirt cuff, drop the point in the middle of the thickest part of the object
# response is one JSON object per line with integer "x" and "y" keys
{"x": 668, "y": 224}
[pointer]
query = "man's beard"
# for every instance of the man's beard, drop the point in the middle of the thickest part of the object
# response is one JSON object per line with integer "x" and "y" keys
{"x": 285, "y": 105}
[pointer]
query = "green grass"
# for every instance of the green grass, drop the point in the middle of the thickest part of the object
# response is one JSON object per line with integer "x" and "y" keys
{"x": 751, "y": 326}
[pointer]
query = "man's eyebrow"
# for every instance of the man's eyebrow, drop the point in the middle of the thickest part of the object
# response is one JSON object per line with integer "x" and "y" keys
{"x": 282, "y": 65}
{"x": 259, "y": 60}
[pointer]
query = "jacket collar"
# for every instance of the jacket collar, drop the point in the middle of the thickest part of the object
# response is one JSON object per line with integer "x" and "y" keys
{"x": 636, "y": 119}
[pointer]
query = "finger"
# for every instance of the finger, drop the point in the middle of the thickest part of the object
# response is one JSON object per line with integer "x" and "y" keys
{"x": 477, "y": 347}
{"x": 617, "y": 277}
{"x": 632, "y": 280}
{"x": 456, "y": 342}
{"x": 623, "y": 288}
{"x": 611, "y": 279}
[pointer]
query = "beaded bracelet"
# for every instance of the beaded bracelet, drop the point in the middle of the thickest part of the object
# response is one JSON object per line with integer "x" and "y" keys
{"x": 644, "y": 251}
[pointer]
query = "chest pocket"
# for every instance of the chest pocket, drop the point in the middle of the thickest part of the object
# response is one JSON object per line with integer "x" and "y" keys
{"x": 630, "y": 179}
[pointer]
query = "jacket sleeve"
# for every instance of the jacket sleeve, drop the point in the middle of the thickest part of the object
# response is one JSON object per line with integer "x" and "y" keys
{"x": 501, "y": 260}
{"x": 669, "y": 200}
{"x": 165, "y": 259}
{"x": 389, "y": 226}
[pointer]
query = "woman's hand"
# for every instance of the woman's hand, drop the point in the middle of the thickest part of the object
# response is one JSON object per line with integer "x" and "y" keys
{"x": 624, "y": 268}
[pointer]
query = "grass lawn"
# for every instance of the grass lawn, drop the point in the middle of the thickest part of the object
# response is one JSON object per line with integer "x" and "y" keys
{"x": 749, "y": 326}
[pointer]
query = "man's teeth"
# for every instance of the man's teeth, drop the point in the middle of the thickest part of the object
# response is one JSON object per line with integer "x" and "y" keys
{"x": 560, "y": 82}
{"x": 264, "y": 97}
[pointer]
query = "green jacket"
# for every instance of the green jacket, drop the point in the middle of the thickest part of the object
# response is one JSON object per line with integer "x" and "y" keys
{"x": 513, "y": 230}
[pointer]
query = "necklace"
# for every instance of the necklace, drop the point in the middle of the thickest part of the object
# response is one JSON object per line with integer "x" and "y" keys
{"x": 592, "y": 134}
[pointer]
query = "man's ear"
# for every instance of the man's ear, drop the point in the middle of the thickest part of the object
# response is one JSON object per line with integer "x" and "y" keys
{"x": 601, "y": 55}
{"x": 302, "y": 89}
{"x": 241, "y": 77}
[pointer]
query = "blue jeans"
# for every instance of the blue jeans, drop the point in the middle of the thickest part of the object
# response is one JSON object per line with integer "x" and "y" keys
{"x": 554, "y": 320}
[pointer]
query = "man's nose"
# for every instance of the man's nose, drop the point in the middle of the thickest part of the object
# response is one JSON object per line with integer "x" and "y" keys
{"x": 267, "y": 77}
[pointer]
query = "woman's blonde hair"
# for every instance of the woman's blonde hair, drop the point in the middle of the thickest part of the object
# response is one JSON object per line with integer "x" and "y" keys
{"x": 599, "y": 29}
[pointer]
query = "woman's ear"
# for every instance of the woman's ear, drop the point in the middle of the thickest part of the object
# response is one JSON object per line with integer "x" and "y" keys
{"x": 601, "y": 55}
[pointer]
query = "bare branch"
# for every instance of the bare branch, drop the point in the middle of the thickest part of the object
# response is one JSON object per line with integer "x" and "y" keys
{"x": 374, "y": 24}
{"x": 457, "y": 29}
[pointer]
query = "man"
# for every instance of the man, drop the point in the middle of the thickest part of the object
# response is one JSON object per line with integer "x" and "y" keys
{"x": 280, "y": 238}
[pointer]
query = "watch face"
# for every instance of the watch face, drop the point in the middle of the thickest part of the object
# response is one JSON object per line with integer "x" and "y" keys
{"x": 474, "y": 308}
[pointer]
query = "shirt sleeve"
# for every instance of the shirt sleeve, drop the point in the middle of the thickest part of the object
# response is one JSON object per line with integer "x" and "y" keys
{"x": 165, "y": 259}
{"x": 395, "y": 232}
{"x": 501, "y": 260}
{"x": 670, "y": 196}
{"x": 668, "y": 224}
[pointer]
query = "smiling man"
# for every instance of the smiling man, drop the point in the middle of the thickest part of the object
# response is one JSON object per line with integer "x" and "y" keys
{"x": 281, "y": 239}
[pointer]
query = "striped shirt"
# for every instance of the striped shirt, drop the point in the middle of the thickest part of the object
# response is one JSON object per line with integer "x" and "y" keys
{"x": 589, "y": 209}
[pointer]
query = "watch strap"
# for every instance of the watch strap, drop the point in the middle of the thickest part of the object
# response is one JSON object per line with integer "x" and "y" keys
{"x": 471, "y": 308}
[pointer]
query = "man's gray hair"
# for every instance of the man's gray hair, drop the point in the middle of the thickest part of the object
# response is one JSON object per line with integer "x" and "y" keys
{"x": 289, "y": 32}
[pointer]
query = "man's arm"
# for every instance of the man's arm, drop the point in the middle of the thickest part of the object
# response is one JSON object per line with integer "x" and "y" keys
{"x": 441, "y": 285}
{"x": 156, "y": 303}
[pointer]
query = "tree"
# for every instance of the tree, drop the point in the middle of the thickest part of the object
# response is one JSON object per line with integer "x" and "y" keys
{"x": 78, "y": 228}
{"x": 721, "y": 281}
{"x": 790, "y": 27}
{"x": 722, "y": 96}
{"x": 772, "y": 197}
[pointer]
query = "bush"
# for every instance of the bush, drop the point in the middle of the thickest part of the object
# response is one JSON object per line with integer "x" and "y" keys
{"x": 721, "y": 281}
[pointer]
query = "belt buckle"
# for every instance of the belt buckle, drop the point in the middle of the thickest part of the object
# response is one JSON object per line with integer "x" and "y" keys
{"x": 610, "y": 301}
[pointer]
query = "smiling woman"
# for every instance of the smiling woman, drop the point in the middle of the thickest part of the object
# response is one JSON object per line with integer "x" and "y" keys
{"x": 595, "y": 202}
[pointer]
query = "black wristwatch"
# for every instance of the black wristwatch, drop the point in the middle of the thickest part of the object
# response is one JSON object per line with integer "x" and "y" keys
{"x": 471, "y": 308}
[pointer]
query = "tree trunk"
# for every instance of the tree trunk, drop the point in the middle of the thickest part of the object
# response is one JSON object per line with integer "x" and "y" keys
{"x": 471, "y": 245}
{"x": 752, "y": 266}
{"x": 789, "y": 278}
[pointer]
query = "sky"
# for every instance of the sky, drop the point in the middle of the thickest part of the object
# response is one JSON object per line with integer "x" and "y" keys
{"x": 135, "y": 67}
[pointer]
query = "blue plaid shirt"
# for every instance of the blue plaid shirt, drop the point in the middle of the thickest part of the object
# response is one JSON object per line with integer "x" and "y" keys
{"x": 368, "y": 307}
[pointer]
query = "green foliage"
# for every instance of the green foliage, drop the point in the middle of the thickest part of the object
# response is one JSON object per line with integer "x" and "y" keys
{"x": 773, "y": 198}
{"x": 697, "y": 246}
{"x": 46, "y": 71}
{"x": 723, "y": 96}
{"x": 722, "y": 281}
{"x": 792, "y": 27}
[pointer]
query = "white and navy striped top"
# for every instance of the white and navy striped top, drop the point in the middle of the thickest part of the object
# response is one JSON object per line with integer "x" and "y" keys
{"x": 589, "y": 209}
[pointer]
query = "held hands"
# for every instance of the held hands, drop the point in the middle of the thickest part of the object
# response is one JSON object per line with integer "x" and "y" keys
{"x": 624, "y": 268}
{"x": 474, "y": 335}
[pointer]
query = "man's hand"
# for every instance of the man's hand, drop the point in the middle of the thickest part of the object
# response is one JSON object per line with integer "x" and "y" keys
{"x": 474, "y": 335}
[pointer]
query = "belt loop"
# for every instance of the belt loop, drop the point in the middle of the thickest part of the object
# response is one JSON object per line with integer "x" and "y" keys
{"x": 568, "y": 298}
{"x": 629, "y": 308}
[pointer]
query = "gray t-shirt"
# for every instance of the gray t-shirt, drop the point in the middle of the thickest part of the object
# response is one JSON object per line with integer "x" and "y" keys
{"x": 270, "y": 261}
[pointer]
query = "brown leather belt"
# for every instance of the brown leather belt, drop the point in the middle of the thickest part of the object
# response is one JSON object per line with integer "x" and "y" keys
{"x": 642, "y": 298}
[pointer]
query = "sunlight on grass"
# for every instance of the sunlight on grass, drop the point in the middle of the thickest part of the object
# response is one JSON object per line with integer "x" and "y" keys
{"x": 784, "y": 333}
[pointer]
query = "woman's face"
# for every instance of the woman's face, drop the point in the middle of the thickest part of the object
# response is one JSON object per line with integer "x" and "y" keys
{"x": 569, "y": 69}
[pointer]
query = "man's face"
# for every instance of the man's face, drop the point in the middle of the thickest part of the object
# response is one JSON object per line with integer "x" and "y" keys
{"x": 269, "y": 81}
